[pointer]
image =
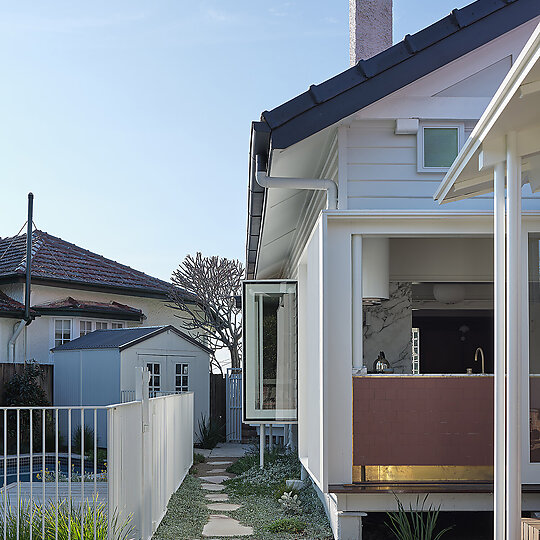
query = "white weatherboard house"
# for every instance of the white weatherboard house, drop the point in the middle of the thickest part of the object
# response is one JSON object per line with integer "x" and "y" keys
{"x": 73, "y": 293}
{"x": 100, "y": 368}
{"x": 348, "y": 256}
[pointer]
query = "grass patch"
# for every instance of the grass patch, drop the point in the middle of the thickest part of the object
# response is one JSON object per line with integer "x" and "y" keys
{"x": 287, "y": 525}
{"x": 187, "y": 513}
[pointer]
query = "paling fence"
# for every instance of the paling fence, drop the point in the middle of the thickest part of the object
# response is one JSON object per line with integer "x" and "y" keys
{"x": 58, "y": 480}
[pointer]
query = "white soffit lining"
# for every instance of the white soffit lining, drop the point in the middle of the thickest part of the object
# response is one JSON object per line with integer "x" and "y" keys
{"x": 484, "y": 83}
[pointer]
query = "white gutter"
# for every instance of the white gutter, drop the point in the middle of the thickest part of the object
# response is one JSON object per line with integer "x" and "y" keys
{"x": 297, "y": 183}
{"x": 13, "y": 339}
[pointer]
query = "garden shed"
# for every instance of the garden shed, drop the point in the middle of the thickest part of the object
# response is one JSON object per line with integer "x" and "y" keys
{"x": 99, "y": 368}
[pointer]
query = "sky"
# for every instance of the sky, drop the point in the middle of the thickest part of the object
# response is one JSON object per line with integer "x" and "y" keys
{"x": 130, "y": 120}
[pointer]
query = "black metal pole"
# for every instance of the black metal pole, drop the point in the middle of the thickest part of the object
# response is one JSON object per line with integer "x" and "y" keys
{"x": 28, "y": 257}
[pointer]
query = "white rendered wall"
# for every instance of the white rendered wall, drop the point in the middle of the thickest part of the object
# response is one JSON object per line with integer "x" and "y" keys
{"x": 310, "y": 412}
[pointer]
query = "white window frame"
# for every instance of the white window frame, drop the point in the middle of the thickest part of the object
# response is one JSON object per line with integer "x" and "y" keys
{"x": 92, "y": 327}
{"x": 151, "y": 366}
{"x": 460, "y": 126}
{"x": 181, "y": 387}
{"x": 55, "y": 344}
{"x": 101, "y": 322}
{"x": 115, "y": 325}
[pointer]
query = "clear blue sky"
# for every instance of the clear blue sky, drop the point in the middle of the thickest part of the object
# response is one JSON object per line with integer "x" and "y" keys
{"x": 130, "y": 120}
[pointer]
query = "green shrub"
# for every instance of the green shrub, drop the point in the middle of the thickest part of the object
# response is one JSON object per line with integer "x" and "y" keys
{"x": 287, "y": 525}
{"x": 210, "y": 433}
{"x": 417, "y": 524}
{"x": 88, "y": 439}
{"x": 24, "y": 389}
{"x": 198, "y": 458}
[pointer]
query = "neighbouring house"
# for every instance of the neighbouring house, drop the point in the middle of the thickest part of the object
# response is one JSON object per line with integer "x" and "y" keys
{"x": 369, "y": 308}
{"x": 100, "y": 368}
{"x": 73, "y": 293}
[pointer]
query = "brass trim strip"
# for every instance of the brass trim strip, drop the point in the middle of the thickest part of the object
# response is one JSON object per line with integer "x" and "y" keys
{"x": 421, "y": 473}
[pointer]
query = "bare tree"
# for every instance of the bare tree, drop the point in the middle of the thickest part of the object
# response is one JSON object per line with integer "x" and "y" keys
{"x": 205, "y": 292}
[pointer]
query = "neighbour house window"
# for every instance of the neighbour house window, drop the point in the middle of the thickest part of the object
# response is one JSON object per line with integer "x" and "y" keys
{"x": 85, "y": 327}
{"x": 181, "y": 383}
{"x": 155, "y": 378}
{"x": 117, "y": 325}
{"x": 438, "y": 146}
{"x": 62, "y": 331}
{"x": 101, "y": 325}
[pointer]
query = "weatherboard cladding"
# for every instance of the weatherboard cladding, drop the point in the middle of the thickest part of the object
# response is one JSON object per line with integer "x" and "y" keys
{"x": 122, "y": 338}
{"x": 370, "y": 80}
{"x": 57, "y": 260}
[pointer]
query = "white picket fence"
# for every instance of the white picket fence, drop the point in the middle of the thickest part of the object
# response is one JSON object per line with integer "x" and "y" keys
{"x": 42, "y": 473}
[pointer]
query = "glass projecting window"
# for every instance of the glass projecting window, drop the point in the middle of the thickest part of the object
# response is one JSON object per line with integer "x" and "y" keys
{"x": 270, "y": 351}
{"x": 438, "y": 146}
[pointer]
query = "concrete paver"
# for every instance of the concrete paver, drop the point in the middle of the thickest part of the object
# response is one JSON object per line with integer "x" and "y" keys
{"x": 217, "y": 497}
{"x": 219, "y": 462}
{"x": 221, "y": 525}
{"x": 223, "y": 507}
{"x": 212, "y": 487}
{"x": 217, "y": 479}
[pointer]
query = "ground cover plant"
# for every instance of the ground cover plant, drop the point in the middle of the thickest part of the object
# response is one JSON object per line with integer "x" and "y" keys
{"x": 186, "y": 512}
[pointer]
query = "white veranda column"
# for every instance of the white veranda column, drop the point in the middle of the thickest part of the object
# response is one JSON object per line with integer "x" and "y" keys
{"x": 500, "y": 352}
{"x": 357, "y": 316}
{"x": 513, "y": 353}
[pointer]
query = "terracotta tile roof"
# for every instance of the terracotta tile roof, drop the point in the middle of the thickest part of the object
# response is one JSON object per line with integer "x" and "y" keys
{"x": 7, "y": 304}
{"x": 70, "y": 305}
{"x": 56, "y": 259}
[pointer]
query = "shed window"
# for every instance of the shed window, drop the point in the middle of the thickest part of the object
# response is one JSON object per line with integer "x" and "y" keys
{"x": 62, "y": 331}
{"x": 181, "y": 382}
{"x": 438, "y": 146}
{"x": 155, "y": 378}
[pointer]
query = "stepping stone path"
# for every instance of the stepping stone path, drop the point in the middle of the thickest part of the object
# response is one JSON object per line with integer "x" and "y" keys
{"x": 220, "y": 525}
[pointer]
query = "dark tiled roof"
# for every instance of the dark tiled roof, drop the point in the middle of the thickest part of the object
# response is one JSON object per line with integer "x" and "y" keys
{"x": 10, "y": 306}
{"x": 70, "y": 305}
{"x": 54, "y": 259}
{"x": 325, "y": 104}
{"x": 122, "y": 338}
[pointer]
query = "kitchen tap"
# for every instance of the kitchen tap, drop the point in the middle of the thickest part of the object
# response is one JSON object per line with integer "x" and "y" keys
{"x": 480, "y": 350}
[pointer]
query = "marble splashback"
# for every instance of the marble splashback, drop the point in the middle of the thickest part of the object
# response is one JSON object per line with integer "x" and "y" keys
{"x": 387, "y": 327}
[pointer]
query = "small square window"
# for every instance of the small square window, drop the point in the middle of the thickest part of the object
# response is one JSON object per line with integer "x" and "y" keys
{"x": 438, "y": 146}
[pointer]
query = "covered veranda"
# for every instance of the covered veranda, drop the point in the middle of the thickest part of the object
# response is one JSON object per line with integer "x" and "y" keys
{"x": 502, "y": 156}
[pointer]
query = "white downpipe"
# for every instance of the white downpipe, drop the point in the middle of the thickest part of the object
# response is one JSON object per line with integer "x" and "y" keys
{"x": 513, "y": 325}
{"x": 500, "y": 353}
{"x": 13, "y": 339}
{"x": 297, "y": 183}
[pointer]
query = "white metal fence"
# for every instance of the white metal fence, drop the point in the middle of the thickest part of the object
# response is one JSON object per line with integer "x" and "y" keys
{"x": 233, "y": 404}
{"x": 58, "y": 480}
{"x": 147, "y": 465}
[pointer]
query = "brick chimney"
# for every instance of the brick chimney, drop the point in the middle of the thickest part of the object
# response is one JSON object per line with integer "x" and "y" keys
{"x": 370, "y": 28}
